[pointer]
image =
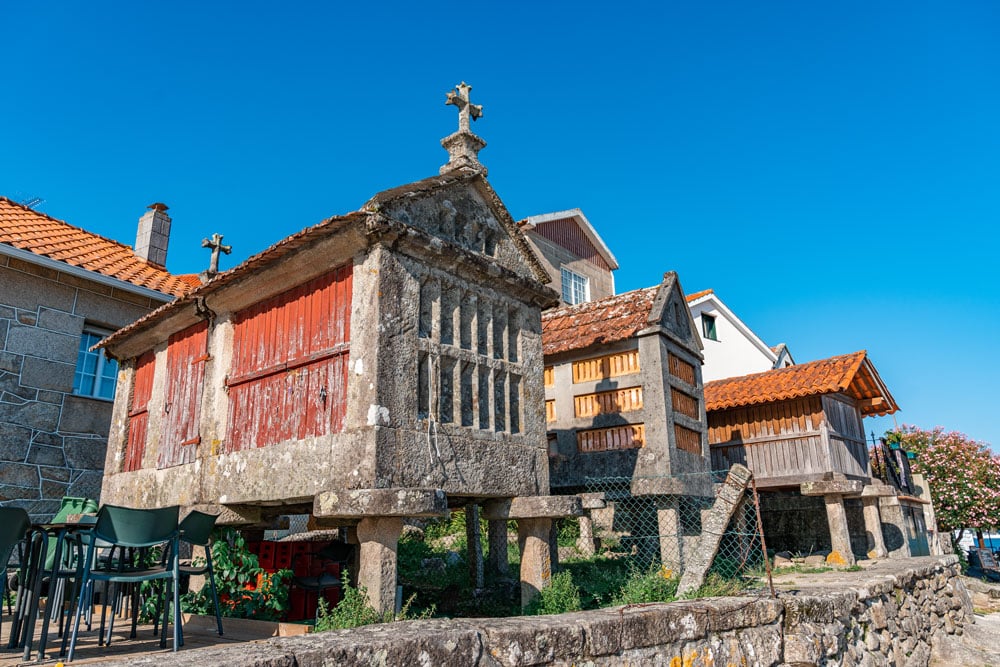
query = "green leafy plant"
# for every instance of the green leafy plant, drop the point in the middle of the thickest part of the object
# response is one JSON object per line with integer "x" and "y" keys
{"x": 245, "y": 589}
{"x": 656, "y": 584}
{"x": 559, "y": 597}
{"x": 353, "y": 610}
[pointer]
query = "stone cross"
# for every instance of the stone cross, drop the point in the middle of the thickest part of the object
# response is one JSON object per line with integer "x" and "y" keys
{"x": 466, "y": 109}
{"x": 216, "y": 245}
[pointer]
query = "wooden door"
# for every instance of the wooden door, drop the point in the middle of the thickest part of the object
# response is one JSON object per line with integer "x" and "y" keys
{"x": 187, "y": 352}
{"x": 288, "y": 379}
{"x": 138, "y": 413}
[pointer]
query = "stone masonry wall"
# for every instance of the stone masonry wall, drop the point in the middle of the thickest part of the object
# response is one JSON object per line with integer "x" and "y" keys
{"x": 886, "y": 615}
{"x": 52, "y": 443}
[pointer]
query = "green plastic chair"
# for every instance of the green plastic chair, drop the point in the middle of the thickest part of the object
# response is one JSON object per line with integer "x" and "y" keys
{"x": 69, "y": 505}
{"x": 133, "y": 528}
{"x": 14, "y": 525}
{"x": 196, "y": 529}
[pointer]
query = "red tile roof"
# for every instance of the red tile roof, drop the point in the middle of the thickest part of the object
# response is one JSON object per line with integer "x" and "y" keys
{"x": 852, "y": 374}
{"x": 27, "y": 229}
{"x": 698, "y": 295}
{"x": 606, "y": 320}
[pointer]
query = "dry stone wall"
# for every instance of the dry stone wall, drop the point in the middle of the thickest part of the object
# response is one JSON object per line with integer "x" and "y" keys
{"x": 887, "y": 615}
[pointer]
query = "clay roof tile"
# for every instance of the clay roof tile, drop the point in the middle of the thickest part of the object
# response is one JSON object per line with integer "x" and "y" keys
{"x": 35, "y": 232}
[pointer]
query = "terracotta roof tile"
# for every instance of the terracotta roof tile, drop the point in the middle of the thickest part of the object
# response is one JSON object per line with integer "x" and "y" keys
{"x": 853, "y": 374}
{"x": 698, "y": 295}
{"x": 606, "y": 320}
{"x": 27, "y": 229}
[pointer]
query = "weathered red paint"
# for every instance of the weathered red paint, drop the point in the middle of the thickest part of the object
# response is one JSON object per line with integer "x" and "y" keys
{"x": 569, "y": 235}
{"x": 288, "y": 378}
{"x": 187, "y": 352}
{"x": 138, "y": 413}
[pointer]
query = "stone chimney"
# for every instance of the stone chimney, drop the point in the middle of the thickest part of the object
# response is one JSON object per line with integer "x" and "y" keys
{"x": 153, "y": 235}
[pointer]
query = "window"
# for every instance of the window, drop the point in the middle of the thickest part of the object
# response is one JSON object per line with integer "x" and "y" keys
{"x": 95, "y": 375}
{"x": 708, "y": 327}
{"x": 575, "y": 288}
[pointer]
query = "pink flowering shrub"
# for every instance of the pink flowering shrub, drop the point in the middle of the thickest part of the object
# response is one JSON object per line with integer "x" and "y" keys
{"x": 964, "y": 476}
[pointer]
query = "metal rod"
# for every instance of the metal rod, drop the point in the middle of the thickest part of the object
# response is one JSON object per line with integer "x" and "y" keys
{"x": 760, "y": 531}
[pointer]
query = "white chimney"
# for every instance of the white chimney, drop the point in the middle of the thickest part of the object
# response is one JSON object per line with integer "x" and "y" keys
{"x": 153, "y": 235}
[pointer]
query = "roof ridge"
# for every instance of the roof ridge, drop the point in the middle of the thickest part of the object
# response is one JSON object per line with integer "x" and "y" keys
{"x": 70, "y": 225}
{"x": 553, "y": 312}
{"x": 795, "y": 368}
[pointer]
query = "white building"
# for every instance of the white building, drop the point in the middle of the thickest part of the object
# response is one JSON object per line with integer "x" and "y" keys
{"x": 731, "y": 349}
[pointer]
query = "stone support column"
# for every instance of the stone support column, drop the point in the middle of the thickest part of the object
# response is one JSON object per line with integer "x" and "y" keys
{"x": 668, "y": 520}
{"x": 379, "y": 538}
{"x": 897, "y": 539}
{"x": 497, "y": 562}
{"x": 536, "y": 563}
{"x": 474, "y": 545}
{"x": 840, "y": 536}
{"x": 585, "y": 544}
{"x": 873, "y": 527}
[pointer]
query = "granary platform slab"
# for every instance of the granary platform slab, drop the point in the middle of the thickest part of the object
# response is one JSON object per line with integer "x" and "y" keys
{"x": 398, "y": 502}
{"x": 533, "y": 507}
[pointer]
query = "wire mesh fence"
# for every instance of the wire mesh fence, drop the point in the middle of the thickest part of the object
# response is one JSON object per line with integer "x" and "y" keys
{"x": 662, "y": 520}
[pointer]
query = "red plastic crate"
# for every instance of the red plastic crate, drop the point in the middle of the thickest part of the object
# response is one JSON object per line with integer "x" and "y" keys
{"x": 282, "y": 555}
{"x": 310, "y": 606}
{"x": 296, "y": 605}
{"x": 332, "y": 596}
{"x": 265, "y": 558}
{"x": 253, "y": 546}
{"x": 303, "y": 565}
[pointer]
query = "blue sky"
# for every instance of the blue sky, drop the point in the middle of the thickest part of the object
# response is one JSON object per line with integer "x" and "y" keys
{"x": 830, "y": 170}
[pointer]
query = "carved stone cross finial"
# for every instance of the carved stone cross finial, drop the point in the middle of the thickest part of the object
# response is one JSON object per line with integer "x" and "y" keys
{"x": 463, "y": 146}
{"x": 216, "y": 245}
{"x": 466, "y": 109}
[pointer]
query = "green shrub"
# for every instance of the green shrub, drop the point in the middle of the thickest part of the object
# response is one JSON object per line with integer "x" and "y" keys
{"x": 245, "y": 589}
{"x": 561, "y": 596}
{"x": 656, "y": 584}
{"x": 353, "y": 610}
{"x": 598, "y": 578}
{"x": 569, "y": 531}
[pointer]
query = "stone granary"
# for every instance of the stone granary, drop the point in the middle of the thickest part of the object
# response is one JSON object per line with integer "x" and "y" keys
{"x": 62, "y": 289}
{"x": 799, "y": 429}
{"x": 378, "y": 365}
{"x": 624, "y": 398}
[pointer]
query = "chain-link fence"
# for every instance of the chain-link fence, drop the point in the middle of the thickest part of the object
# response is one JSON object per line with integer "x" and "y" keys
{"x": 659, "y": 520}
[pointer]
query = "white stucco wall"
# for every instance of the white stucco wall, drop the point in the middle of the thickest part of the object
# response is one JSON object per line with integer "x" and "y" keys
{"x": 734, "y": 353}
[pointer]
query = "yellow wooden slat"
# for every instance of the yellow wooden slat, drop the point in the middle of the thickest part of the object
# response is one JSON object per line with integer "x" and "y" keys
{"x": 628, "y": 436}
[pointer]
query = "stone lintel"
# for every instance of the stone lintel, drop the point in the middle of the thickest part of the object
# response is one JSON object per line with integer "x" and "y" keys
{"x": 681, "y": 485}
{"x": 228, "y": 515}
{"x": 593, "y": 501}
{"x": 360, "y": 503}
{"x": 840, "y": 487}
{"x": 533, "y": 507}
{"x": 878, "y": 490}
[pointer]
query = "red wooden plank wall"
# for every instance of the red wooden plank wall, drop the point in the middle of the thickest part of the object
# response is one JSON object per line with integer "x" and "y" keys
{"x": 569, "y": 235}
{"x": 289, "y": 373}
{"x": 138, "y": 414}
{"x": 187, "y": 352}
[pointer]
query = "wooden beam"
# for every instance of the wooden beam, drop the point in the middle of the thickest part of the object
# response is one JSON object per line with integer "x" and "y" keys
{"x": 870, "y": 403}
